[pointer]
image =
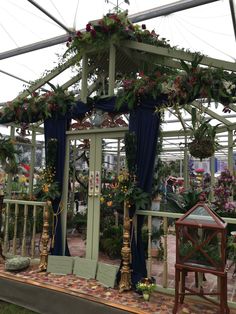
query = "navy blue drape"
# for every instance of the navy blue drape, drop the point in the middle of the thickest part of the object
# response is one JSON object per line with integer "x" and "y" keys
{"x": 56, "y": 128}
{"x": 145, "y": 124}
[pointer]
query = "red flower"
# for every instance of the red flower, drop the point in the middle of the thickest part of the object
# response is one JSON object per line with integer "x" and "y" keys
{"x": 79, "y": 34}
{"x": 88, "y": 27}
{"x": 93, "y": 33}
{"x": 69, "y": 39}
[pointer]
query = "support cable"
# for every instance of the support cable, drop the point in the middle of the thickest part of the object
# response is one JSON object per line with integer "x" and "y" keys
{"x": 50, "y": 16}
{"x": 233, "y": 14}
{"x": 207, "y": 43}
{"x": 53, "y": 4}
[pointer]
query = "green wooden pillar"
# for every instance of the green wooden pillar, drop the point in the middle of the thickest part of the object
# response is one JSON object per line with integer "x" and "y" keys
{"x": 212, "y": 170}
{"x": 112, "y": 69}
{"x": 32, "y": 162}
{"x": 65, "y": 196}
{"x": 84, "y": 83}
{"x": 230, "y": 151}
{"x": 186, "y": 167}
{"x": 9, "y": 175}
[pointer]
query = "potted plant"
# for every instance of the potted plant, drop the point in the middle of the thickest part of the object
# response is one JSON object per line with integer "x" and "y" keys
{"x": 204, "y": 143}
{"x": 146, "y": 286}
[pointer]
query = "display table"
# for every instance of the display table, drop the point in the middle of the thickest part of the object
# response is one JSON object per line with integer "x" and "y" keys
{"x": 181, "y": 290}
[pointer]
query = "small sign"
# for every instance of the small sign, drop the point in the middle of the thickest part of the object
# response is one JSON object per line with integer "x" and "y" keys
{"x": 62, "y": 265}
{"x": 106, "y": 274}
{"x": 85, "y": 268}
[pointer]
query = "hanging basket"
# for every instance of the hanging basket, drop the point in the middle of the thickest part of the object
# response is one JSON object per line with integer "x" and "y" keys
{"x": 203, "y": 148}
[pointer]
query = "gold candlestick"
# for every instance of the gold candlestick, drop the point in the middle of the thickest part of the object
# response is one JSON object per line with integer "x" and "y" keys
{"x": 125, "y": 280}
{"x": 45, "y": 238}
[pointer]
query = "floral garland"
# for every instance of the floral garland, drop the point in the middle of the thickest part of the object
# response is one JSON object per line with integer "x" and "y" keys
{"x": 38, "y": 106}
{"x": 180, "y": 87}
{"x": 113, "y": 27}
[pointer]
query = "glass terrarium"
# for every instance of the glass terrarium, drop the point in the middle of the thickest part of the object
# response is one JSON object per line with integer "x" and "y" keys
{"x": 201, "y": 239}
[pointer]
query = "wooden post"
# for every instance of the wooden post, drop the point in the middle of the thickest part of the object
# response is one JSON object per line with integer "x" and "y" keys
{"x": 149, "y": 264}
{"x": 15, "y": 228}
{"x": 165, "y": 266}
{"x": 32, "y": 162}
{"x": 45, "y": 238}
{"x": 1, "y": 206}
{"x": 23, "y": 248}
{"x": 230, "y": 151}
{"x": 84, "y": 83}
{"x": 186, "y": 170}
{"x": 212, "y": 169}
{"x": 112, "y": 70}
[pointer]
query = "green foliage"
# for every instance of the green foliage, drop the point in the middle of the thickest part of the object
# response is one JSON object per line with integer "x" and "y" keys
{"x": 112, "y": 28}
{"x": 130, "y": 151}
{"x": 37, "y": 106}
{"x": 51, "y": 152}
{"x": 203, "y": 143}
{"x": 111, "y": 241}
{"x": 181, "y": 203}
{"x": 7, "y": 308}
{"x": 179, "y": 88}
{"x": 79, "y": 222}
{"x": 231, "y": 248}
{"x": 212, "y": 250}
{"x": 46, "y": 187}
{"x": 8, "y": 154}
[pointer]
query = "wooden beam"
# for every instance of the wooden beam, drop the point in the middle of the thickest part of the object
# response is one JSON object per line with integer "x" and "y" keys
{"x": 212, "y": 114}
{"x": 47, "y": 78}
{"x": 179, "y": 54}
{"x": 112, "y": 69}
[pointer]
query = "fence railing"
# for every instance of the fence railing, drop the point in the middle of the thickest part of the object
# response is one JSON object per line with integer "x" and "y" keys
{"x": 164, "y": 216}
{"x": 22, "y": 220}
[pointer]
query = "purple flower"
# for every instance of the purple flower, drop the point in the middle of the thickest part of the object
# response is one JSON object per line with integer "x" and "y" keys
{"x": 143, "y": 26}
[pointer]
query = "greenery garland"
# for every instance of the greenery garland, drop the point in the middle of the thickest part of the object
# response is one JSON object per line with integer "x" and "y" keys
{"x": 38, "y": 106}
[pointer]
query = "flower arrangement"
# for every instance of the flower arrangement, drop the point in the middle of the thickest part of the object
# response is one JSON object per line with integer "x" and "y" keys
{"x": 222, "y": 193}
{"x": 125, "y": 189}
{"x": 113, "y": 27}
{"x": 38, "y": 106}
{"x": 146, "y": 285}
{"x": 178, "y": 88}
{"x": 46, "y": 187}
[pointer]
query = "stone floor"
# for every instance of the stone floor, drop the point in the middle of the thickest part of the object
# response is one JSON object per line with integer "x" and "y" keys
{"x": 77, "y": 248}
{"x": 130, "y": 301}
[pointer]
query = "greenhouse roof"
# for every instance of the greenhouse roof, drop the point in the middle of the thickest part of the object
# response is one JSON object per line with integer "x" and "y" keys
{"x": 205, "y": 28}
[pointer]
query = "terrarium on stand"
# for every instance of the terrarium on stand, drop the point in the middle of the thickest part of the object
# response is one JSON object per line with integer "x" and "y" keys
{"x": 201, "y": 248}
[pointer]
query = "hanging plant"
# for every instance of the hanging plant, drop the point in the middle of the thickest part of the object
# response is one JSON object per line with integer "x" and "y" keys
{"x": 204, "y": 143}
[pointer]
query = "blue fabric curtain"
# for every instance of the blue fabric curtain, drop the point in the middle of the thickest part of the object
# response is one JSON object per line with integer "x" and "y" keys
{"x": 145, "y": 124}
{"x": 56, "y": 128}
